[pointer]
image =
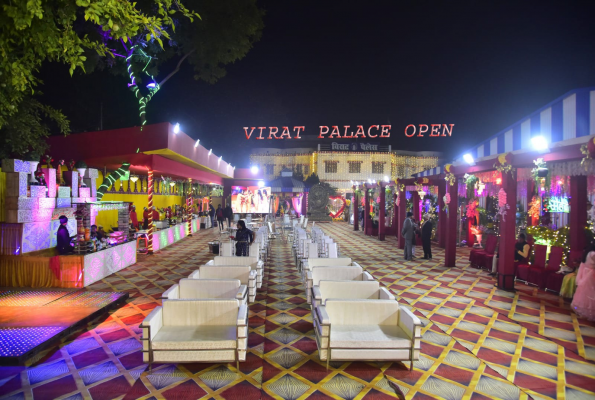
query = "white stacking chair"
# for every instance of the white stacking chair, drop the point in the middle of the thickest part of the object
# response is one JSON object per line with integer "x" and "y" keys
{"x": 226, "y": 249}
{"x": 248, "y": 218}
{"x": 236, "y": 218}
{"x": 333, "y": 250}
{"x": 302, "y": 219}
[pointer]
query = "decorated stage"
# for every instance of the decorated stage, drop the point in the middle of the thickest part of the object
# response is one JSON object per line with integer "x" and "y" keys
{"x": 32, "y": 321}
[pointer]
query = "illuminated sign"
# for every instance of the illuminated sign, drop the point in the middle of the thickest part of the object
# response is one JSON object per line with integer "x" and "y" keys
{"x": 347, "y": 131}
{"x": 558, "y": 204}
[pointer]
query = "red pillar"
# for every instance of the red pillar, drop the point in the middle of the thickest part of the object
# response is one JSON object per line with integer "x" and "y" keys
{"x": 506, "y": 265}
{"x": 367, "y": 221}
{"x": 441, "y": 215}
{"x": 395, "y": 223}
{"x": 402, "y": 214}
{"x": 355, "y": 206}
{"x": 450, "y": 253}
{"x": 577, "y": 220}
{"x": 381, "y": 213}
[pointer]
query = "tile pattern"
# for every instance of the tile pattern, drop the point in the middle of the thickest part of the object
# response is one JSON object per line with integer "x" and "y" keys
{"x": 530, "y": 338}
{"x": 478, "y": 342}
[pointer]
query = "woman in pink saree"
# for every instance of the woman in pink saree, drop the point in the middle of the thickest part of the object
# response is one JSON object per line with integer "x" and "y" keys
{"x": 583, "y": 302}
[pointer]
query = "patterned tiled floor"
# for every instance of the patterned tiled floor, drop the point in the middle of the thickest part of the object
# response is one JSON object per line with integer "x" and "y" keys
{"x": 478, "y": 342}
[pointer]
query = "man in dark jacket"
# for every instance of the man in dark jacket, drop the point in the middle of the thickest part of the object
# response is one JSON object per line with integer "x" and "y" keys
{"x": 63, "y": 237}
{"x": 212, "y": 215}
{"x": 228, "y": 214}
{"x": 408, "y": 233}
{"x": 426, "y": 237}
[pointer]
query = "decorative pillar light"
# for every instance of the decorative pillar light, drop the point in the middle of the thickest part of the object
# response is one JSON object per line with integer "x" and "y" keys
{"x": 150, "y": 204}
{"x": 81, "y": 167}
{"x": 189, "y": 207}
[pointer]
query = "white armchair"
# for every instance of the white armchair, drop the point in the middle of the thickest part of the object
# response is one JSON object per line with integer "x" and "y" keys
{"x": 367, "y": 330}
{"x": 348, "y": 290}
{"x": 341, "y": 273}
{"x": 310, "y": 263}
{"x": 208, "y": 289}
{"x": 244, "y": 273}
{"x": 196, "y": 331}
{"x": 252, "y": 261}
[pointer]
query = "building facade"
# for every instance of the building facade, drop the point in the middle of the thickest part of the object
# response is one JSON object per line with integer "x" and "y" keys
{"x": 340, "y": 163}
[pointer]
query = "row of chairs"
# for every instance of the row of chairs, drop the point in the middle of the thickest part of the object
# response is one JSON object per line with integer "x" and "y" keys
{"x": 355, "y": 319}
{"x": 204, "y": 318}
{"x": 542, "y": 272}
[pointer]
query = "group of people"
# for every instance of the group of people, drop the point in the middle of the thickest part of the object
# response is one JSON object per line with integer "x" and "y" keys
{"x": 411, "y": 231}
{"x": 252, "y": 202}
{"x": 222, "y": 215}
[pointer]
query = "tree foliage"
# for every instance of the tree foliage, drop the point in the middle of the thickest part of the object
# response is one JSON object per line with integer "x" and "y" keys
{"x": 35, "y": 31}
{"x": 25, "y": 130}
{"x": 226, "y": 33}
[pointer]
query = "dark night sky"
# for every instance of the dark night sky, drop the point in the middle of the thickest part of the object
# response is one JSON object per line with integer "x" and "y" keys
{"x": 481, "y": 65}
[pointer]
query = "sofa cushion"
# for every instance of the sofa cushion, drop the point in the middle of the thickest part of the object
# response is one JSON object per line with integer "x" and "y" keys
{"x": 195, "y": 338}
{"x": 368, "y": 337}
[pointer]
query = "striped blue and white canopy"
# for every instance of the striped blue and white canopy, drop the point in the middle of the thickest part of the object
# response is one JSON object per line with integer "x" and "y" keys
{"x": 565, "y": 119}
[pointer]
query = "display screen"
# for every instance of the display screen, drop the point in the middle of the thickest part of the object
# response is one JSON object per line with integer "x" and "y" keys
{"x": 251, "y": 199}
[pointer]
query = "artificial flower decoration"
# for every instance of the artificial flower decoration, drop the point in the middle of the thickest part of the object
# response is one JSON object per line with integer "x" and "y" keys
{"x": 503, "y": 163}
{"x": 503, "y": 206}
{"x": 472, "y": 209}
{"x": 588, "y": 151}
{"x": 450, "y": 177}
{"x": 535, "y": 207}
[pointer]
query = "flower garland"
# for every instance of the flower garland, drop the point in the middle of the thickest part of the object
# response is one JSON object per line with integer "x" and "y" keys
{"x": 535, "y": 207}
{"x": 503, "y": 163}
{"x": 472, "y": 209}
{"x": 446, "y": 199}
{"x": 588, "y": 151}
{"x": 503, "y": 206}
{"x": 450, "y": 177}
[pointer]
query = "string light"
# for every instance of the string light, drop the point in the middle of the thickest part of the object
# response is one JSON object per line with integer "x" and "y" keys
{"x": 373, "y": 165}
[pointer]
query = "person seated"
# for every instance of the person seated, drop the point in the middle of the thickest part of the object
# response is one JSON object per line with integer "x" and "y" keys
{"x": 101, "y": 233}
{"x": 63, "y": 237}
{"x": 522, "y": 248}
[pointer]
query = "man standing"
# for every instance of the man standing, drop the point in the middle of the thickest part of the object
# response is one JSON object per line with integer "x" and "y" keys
{"x": 408, "y": 233}
{"x": 63, "y": 237}
{"x": 212, "y": 215}
{"x": 228, "y": 214}
{"x": 426, "y": 237}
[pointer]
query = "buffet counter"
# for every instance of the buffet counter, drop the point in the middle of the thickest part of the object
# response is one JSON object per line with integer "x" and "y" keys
{"x": 47, "y": 269}
{"x": 169, "y": 236}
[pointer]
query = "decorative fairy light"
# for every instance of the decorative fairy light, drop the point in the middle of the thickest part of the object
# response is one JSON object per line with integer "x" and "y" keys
{"x": 150, "y": 206}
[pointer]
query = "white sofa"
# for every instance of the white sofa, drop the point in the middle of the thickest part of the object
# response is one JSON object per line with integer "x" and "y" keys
{"x": 243, "y": 273}
{"x": 367, "y": 330}
{"x": 196, "y": 331}
{"x": 310, "y": 263}
{"x": 338, "y": 273}
{"x": 252, "y": 261}
{"x": 208, "y": 289}
{"x": 328, "y": 289}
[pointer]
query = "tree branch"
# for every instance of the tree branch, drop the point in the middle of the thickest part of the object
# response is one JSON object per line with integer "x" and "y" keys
{"x": 177, "y": 68}
{"x": 124, "y": 45}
